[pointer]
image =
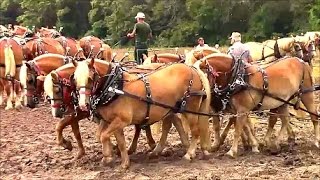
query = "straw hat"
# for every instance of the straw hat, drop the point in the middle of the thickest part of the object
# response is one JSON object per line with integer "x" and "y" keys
{"x": 140, "y": 15}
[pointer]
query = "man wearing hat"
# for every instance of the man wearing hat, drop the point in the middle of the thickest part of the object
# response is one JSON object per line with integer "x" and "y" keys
{"x": 142, "y": 32}
{"x": 239, "y": 50}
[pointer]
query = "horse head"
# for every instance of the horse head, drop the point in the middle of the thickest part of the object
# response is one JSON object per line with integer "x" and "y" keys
{"x": 86, "y": 76}
{"x": 60, "y": 90}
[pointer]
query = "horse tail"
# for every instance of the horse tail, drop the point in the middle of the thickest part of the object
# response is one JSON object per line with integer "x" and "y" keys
{"x": 205, "y": 108}
{"x": 10, "y": 63}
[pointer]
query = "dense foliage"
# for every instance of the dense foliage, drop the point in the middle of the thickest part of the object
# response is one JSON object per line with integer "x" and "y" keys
{"x": 174, "y": 22}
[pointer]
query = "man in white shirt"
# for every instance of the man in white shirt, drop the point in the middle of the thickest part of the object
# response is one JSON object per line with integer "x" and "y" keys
{"x": 239, "y": 50}
{"x": 201, "y": 43}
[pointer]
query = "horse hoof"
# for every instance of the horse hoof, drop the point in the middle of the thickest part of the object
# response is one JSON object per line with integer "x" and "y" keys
{"x": 67, "y": 145}
{"x": 187, "y": 157}
{"x": 205, "y": 155}
{"x": 80, "y": 155}
{"x": 8, "y": 107}
{"x": 153, "y": 155}
{"x": 255, "y": 150}
{"x": 215, "y": 147}
{"x": 152, "y": 146}
{"x": 125, "y": 165}
{"x": 231, "y": 154}
{"x": 18, "y": 106}
{"x": 107, "y": 161}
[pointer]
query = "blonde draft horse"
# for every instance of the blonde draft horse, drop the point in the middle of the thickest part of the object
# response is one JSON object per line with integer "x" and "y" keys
{"x": 100, "y": 66}
{"x": 32, "y": 76}
{"x": 60, "y": 96}
{"x": 11, "y": 57}
{"x": 290, "y": 75}
{"x": 125, "y": 110}
{"x": 287, "y": 46}
{"x": 38, "y": 46}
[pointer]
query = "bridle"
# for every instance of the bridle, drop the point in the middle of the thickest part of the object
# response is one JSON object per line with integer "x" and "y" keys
{"x": 34, "y": 73}
{"x": 89, "y": 89}
{"x": 66, "y": 94}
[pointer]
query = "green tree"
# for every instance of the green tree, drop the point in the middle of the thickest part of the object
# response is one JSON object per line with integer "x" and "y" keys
{"x": 38, "y": 13}
{"x": 314, "y": 16}
{"x": 72, "y": 15}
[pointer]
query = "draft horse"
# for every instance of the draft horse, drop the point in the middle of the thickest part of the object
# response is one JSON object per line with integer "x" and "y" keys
{"x": 245, "y": 88}
{"x": 119, "y": 108}
{"x": 11, "y": 57}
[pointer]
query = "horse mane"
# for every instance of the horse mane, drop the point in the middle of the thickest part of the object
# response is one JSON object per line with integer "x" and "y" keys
{"x": 286, "y": 43}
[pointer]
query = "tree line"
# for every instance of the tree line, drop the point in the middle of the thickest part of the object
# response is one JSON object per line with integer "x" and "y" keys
{"x": 174, "y": 22}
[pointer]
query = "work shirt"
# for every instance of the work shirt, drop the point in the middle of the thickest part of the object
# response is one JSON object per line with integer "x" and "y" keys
{"x": 142, "y": 32}
{"x": 240, "y": 51}
{"x": 199, "y": 47}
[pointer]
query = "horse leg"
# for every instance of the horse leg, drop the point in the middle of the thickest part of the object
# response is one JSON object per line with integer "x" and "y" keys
{"x": 1, "y": 91}
{"x": 10, "y": 95}
{"x": 284, "y": 115}
{"x": 239, "y": 124}
{"x": 249, "y": 132}
{"x": 195, "y": 133}
{"x": 224, "y": 134}
{"x": 181, "y": 130}
{"x": 18, "y": 95}
{"x": 216, "y": 128}
{"x": 166, "y": 125}
{"x": 125, "y": 163}
{"x": 59, "y": 128}
{"x": 115, "y": 125}
{"x": 271, "y": 122}
{"x": 150, "y": 140}
{"x": 76, "y": 132}
{"x": 308, "y": 102}
{"x": 134, "y": 142}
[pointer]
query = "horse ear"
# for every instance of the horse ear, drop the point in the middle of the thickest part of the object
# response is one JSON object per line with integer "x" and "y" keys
{"x": 74, "y": 62}
{"x": 91, "y": 63}
{"x": 55, "y": 77}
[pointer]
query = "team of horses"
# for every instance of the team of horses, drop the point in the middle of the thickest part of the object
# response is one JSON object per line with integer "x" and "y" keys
{"x": 81, "y": 79}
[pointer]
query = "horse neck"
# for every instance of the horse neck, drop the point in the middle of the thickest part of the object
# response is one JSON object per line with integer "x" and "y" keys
{"x": 102, "y": 68}
{"x": 66, "y": 72}
{"x": 47, "y": 64}
{"x": 286, "y": 45}
{"x": 223, "y": 66}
